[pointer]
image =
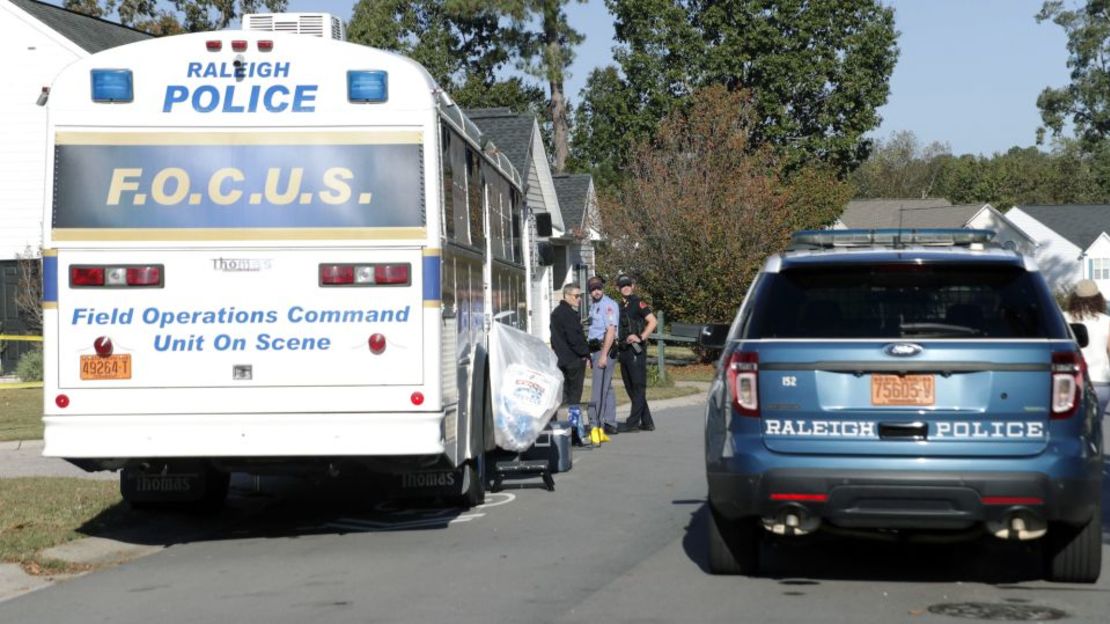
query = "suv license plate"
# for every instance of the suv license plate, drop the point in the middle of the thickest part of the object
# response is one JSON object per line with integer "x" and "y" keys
{"x": 94, "y": 367}
{"x": 903, "y": 390}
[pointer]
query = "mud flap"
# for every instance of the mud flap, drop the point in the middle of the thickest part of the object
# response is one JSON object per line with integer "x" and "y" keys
{"x": 443, "y": 483}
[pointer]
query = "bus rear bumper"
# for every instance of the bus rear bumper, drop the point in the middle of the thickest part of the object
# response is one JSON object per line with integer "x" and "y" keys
{"x": 248, "y": 435}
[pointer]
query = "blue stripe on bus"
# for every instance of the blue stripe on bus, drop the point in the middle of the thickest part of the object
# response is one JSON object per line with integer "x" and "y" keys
{"x": 50, "y": 279}
{"x": 432, "y": 290}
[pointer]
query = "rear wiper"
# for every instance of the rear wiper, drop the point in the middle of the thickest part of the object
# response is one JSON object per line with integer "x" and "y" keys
{"x": 937, "y": 329}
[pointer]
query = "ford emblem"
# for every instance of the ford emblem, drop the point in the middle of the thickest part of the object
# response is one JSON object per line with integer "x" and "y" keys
{"x": 902, "y": 349}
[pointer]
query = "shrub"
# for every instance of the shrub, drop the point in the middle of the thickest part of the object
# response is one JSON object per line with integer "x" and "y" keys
{"x": 29, "y": 367}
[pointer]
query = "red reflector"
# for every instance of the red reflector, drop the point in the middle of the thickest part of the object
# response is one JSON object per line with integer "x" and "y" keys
{"x": 103, "y": 346}
{"x": 213, "y": 45}
{"x": 144, "y": 276}
{"x": 337, "y": 274}
{"x": 377, "y": 344}
{"x": 391, "y": 274}
{"x": 1012, "y": 500}
{"x": 86, "y": 276}
{"x": 239, "y": 45}
{"x": 61, "y": 400}
{"x": 809, "y": 498}
{"x": 265, "y": 45}
{"x": 417, "y": 398}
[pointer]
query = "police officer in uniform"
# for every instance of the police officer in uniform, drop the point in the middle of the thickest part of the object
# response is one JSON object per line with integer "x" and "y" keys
{"x": 602, "y": 336}
{"x": 636, "y": 323}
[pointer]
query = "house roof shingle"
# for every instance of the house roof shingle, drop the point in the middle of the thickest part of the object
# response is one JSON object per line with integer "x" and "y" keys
{"x": 510, "y": 132}
{"x": 1079, "y": 224}
{"x": 91, "y": 33}
{"x": 907, "y": 213}
{"x": 573, "y": 193}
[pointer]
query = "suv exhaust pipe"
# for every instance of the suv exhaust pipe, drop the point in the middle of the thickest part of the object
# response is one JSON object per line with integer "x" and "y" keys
{"x": 792, "y": 520}
{"x": 1018, "y": 524}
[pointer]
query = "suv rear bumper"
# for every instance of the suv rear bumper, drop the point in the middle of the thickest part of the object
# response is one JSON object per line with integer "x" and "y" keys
{"x": 924, "y": 500}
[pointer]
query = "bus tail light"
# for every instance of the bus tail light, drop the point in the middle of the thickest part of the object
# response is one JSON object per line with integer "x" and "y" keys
{"x": 239, "y": 45}
{"x": 417, "y": 398}
{"x": 214, "y": 45}
{"x": 265, "y": 45}
{"x": 377, "y": 344}
{"x": 103, "y": 346}
{"x": 122, "y": 276}
{"x": 395, "y": 274}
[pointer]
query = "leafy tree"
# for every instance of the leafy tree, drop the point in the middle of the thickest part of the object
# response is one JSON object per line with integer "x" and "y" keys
{"x": 546, "y": 54}
{"x": 700, "y": 196}
{"x": 817, "y": 70}
{"x": 176, "y": 16}
{"x": 899, "y": 167}
{"x": 602, "y": 123}
{"x": 461, "y": 43}
{"x": 1086, "y": 101}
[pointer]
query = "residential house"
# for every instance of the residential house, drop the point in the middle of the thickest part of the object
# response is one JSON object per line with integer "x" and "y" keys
{"x": 934, "y": 213}
{"x": 574, "y": 251}
{"x": 1071, "y": 242}
{"x": 36, "y": 41}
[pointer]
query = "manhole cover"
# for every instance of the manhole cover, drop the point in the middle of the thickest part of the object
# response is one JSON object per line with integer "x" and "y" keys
{"x": 995, "y": 611}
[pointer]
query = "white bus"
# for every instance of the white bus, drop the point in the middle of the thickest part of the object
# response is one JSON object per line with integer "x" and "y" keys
{"x": 272, "y": 252}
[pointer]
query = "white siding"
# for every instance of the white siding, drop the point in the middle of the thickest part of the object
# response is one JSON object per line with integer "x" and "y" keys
{"x": 1058, "y": 258}
{"x": 990, "y": 219}
{"x": 33, "y": 55}
{"x": 1098, "y": 255}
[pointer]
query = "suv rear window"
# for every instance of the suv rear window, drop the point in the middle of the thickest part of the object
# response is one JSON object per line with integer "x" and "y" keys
{"x": 904, "y": 301}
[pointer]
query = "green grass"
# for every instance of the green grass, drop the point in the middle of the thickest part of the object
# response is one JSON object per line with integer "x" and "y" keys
{"x": 37, "y": 513}
{"x": 21, "y": 414}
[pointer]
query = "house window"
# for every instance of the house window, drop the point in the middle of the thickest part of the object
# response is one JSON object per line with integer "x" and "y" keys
{"x": 1100, "y": 268}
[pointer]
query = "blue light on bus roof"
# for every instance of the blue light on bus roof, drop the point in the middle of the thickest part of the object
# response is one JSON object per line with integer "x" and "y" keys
{"x": 367, "y": 86}
{"x": 112, "y": 85}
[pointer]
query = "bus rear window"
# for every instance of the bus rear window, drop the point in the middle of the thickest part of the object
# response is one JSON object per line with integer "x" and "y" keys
{"x": 904, "y": 301}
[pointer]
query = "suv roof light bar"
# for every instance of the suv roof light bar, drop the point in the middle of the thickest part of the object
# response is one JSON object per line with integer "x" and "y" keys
{"x": 893, "y": 237}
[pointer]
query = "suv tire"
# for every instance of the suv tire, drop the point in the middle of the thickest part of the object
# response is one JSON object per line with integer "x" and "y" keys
{"x": 733, "y": 546}
{"x": 1074, "y": 554}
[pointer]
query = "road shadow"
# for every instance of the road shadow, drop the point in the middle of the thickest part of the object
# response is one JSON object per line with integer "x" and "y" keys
{"x": 281, "y": 507}
{"x": 828, "y": 557}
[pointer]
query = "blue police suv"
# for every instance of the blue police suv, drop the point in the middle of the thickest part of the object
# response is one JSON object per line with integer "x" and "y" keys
{"x": 905, "y": 381}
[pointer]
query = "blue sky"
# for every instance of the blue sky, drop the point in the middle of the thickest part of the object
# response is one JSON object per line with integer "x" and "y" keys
{"x": 968, "y": 74}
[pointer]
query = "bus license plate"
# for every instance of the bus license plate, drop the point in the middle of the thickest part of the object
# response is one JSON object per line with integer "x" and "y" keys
{"x": 903, "y": 390}
{"x": 95, "y": 367}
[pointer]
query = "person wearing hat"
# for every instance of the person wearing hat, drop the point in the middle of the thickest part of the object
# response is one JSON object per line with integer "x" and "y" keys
{"x": 601, "y": 336}
{"x": 1086, "y": 305}
{"x": 635, "y": 326}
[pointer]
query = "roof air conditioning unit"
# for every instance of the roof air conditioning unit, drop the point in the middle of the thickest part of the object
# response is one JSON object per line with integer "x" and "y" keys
{"x": 314, "y": 24}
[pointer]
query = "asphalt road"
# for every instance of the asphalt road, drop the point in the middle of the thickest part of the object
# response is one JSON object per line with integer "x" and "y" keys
{"x": 622, "y": 539}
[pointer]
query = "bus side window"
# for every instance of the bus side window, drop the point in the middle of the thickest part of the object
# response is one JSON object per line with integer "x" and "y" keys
{"x": 518, "y": 256}
{"x": 475, "y": 196}
{"x": 459, "y": 194}
{"x": 448, "y": 184}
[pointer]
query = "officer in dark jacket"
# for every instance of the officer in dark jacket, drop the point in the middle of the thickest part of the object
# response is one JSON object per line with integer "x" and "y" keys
{"x": 569, "y": 342}
{"x": 635, "y": 325}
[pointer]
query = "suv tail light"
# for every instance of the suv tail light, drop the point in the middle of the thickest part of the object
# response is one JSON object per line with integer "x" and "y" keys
{"x": 1067, "y": 383}
{"x": 743, "y": 382}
